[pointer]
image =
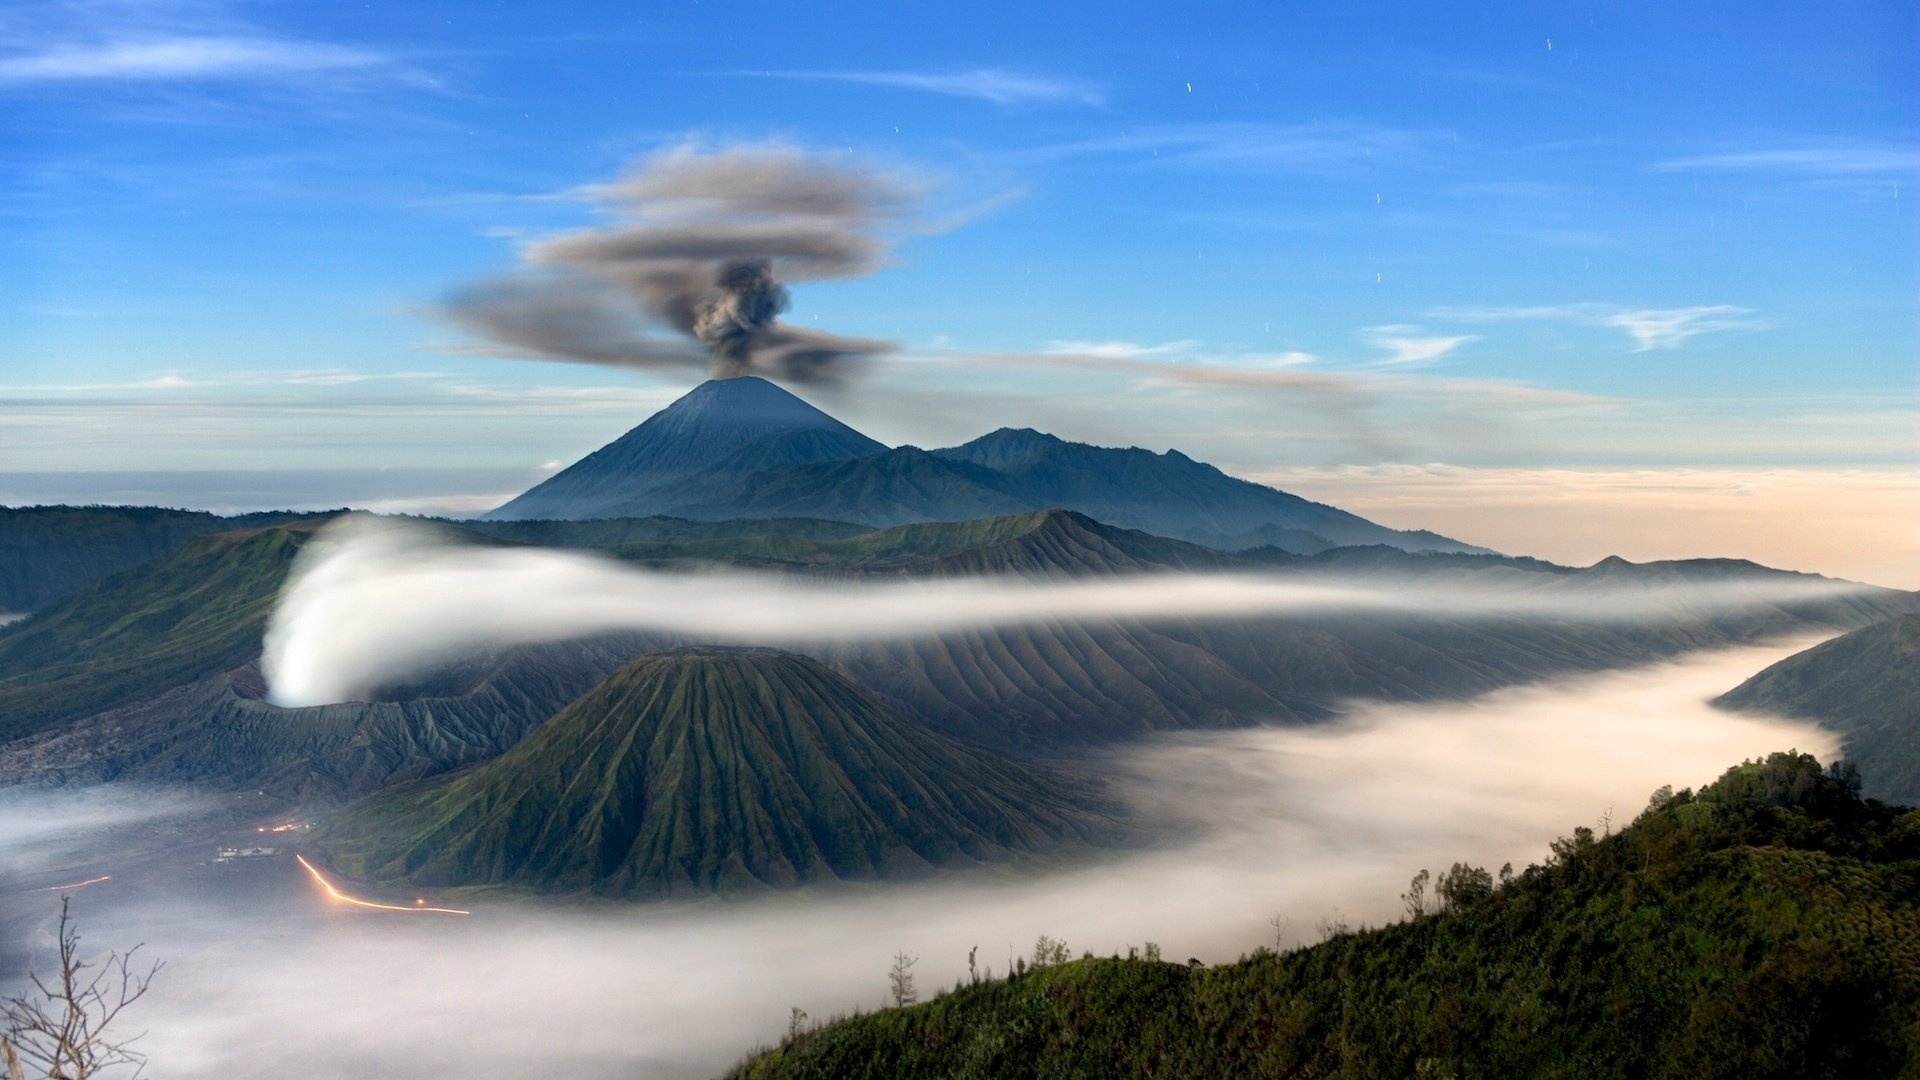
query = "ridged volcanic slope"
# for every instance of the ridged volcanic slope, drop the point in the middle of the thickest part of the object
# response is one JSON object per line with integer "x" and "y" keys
{"x": 713, "y": 770}
{"x": 721, "y": 431}
{"x": 1865, "y": 685}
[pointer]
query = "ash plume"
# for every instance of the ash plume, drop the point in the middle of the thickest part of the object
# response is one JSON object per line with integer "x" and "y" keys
{"x": 749, "y": 301}
{"x": 693, "y": 270}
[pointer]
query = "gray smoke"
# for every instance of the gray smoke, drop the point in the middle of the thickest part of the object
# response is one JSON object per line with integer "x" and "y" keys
{"x": 702, "y": 244}
{"x": 749, "y": 301}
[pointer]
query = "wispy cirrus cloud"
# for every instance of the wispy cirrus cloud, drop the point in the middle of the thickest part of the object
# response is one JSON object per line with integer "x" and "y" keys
{"x": 1650, "y": 328}
{"x": 1811, "y": 161}
{"x": 1282, "y": 373}
{"x": 982, "y": 84}
{"x": 1406, "y": 345}
{"x": 186, "y": 57}
{"x": 1186, "y": 351}
{"x": 1670, "y": 328}
{"x": 1322, "y": 149}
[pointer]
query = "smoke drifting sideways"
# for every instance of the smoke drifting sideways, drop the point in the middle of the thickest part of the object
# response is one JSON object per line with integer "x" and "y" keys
{"x": 691, "y": 272}
{"x": 1319, "y": 823}
{"x": 373, "y": 601}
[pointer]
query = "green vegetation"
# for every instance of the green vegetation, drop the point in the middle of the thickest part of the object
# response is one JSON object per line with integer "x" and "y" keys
{"x": 713, "y": 770}
{"x": 1864, "y": 685}
{"x": 217, "y": 732}
{"x": 662, "y": 531}
{"x": 1041, "y": 542}
{"x": 1765, "y": 927}
{"x": 48, "y": 553}
{"x": 146, "y": 630}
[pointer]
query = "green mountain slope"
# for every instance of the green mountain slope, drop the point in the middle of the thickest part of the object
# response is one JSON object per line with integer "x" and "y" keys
{"x": 1864, "y": 685}
{"x": 1765, "y": 928}
{"x": 1044, "y": 543}
{"x": 666, "y": 532}
{"x": 198, "y": 612}
{"x": 217, "y": 732}
{"x": 712, "y": 770}
{"x": 48, "y": 553}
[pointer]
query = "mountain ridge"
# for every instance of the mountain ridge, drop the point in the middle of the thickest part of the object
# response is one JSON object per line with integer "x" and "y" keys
{"x": 696, "y": 436}
{"x": 713, "y": 769}
{"x": 744, "y": 448}
{"x": 1864, "y": 684}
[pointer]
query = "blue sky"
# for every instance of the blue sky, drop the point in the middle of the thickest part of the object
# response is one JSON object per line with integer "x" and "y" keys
{"x": 1593, "y": 239}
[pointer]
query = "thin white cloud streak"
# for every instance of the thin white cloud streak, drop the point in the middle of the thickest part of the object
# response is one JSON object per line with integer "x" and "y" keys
{"x": 1670, "y": 328}
{"x": 1303, "y": 822}
{"x": 1804, "y": 161}
{"x": 373, "y": 601}
{"x": 1184, "y": 351}
{"x": 1407, "y": 345}
{"x": 1330, "y": 149}
{"x": 1650, "y": 328}
{"x": 185, "y": 57}
{"x": 982, "y": 84}
{"x": 1284, "y": 373}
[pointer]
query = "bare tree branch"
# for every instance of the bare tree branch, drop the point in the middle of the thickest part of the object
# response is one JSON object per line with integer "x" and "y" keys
{"x": 63, "y": 1028}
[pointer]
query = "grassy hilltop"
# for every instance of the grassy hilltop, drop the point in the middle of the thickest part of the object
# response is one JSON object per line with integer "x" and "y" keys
{"x": 1764, "y": 927}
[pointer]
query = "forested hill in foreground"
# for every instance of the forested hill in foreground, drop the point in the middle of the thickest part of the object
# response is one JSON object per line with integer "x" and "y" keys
{"x": 1765, "y": 927}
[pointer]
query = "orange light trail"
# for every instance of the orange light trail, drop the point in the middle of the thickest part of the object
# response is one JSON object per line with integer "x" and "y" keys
{"x": 79, "y": 884}
{"x": 345, "y": 899}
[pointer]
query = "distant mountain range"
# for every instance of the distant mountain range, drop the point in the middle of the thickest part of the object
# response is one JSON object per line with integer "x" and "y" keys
{"x": 1864, "y": 685}
{"x": 744, "y": 448}
{"x": 714, "y": 770}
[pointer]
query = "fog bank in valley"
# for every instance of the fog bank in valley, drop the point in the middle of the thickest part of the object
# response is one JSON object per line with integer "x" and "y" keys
{"x": 1308, "y": 824}
{"x": 373, "y": 601}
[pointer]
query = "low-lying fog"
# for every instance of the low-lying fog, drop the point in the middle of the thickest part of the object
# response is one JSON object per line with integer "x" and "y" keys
{"x": 1306, "y": 824}
{"x": 373, "y": 601}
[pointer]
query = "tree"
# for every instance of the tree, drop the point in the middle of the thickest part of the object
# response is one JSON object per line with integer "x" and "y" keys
{"x": 796, "y": 1023}
{"x": 900, "y": 979}
{"x": 1844, "y": 772}
{"x": 1333, "y": 926}
{"x": 1463, "y": 886}
{"x": 1047, "y": 952}
{"x": 1415, "y": 898}
{"x": 1280, "y": 923}
{"x": 63, "y": 1027}
{"x": 1151, "y": 952}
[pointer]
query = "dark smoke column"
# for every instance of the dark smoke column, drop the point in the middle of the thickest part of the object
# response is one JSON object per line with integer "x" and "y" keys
{"x": 749, "y": 301}
{"x": 691, "y": 275}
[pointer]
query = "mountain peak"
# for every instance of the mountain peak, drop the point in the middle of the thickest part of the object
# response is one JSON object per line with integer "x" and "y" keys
{"x": 1005, "y": 447}
{"x": 717, "y": 769}
{"x": 747, "y": 420}
{"x": 747, "y": 398}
